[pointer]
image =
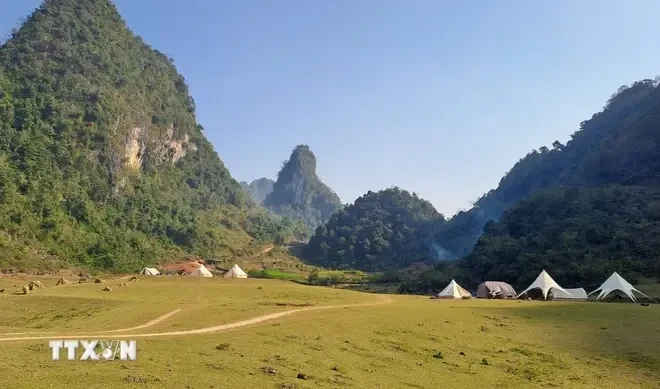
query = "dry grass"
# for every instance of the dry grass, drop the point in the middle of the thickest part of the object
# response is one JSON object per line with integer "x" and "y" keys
{"x": 204, "y": 302}
{"x": 413, "y": 342}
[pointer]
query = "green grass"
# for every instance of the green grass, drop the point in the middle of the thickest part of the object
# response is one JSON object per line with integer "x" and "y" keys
{"x": 345, "y": 275}
{"x": 412, "y": 342}
{"x": 282, "y": 275}
{"x": 652, "y": 290}
{"x": 204, "y": 302}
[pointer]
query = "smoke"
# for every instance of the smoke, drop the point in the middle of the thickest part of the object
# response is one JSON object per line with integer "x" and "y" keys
{"x": 440, "y": 253}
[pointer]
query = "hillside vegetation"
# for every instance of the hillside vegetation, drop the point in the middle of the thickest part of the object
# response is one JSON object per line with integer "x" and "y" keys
{"x": 582, "y": 233}
{"x": 381, "y": 230}
{"x": 102, "y": 162}
{"x": 300, "y": 194}
{"x": 619, "y": 145}
{"x": 579, "y": 235}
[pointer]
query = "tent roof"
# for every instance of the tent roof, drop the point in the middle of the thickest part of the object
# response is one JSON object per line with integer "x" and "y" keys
{"x": 495, "y": 288}
{"x": 545, "y": 283}
{"x": 578, "y": 293}
{"x": 454, "y": 290}
{"x": 236, "y": 271}
{"x": 616, "y": 282}
{"x": 202, "y": 270}
{"x": 498, "y": 286}
{"x": 149, "y": 271}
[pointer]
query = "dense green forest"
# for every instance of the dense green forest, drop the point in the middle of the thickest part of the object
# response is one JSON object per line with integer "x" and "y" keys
{"x": 381, "y": 230}
{"x": 102, "y": 162}
{"x": 300, "y": 194}
{"x": 579, "y": 235}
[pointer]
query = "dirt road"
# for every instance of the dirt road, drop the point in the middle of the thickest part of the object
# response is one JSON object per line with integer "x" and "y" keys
{"x": 218, "y": 328}
{"x": 146, "y": 325}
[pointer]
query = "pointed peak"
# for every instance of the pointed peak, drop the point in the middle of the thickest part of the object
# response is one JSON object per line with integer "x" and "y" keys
{"x": 303, "y": 159}
{"x": 87, "y": 11}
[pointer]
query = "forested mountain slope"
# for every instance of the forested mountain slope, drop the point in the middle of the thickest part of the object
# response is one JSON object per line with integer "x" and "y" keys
{"x": 592, "y": 211}
{"x": 580, "y": 235}
{"x": 620, "y": 145}
{"x": 381, "y": 230}
{"x": 102, "y": 162}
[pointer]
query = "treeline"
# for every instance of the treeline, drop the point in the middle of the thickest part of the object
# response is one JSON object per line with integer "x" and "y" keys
{"x": 579, "y": 235}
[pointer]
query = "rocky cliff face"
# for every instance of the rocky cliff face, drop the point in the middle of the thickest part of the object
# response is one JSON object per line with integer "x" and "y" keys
{"x": 300, "y": 193}
{"x": 168, "y": 149}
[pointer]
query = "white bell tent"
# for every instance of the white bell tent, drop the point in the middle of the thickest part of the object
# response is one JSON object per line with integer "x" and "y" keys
{"x": 454, "y": 291}
{"x": 150, "y": 271}
{"x": 617, "y": 283}
{"x": 236, "y": 272}
{"x": 546, "y": 283}
{"x": 201, "y": 271}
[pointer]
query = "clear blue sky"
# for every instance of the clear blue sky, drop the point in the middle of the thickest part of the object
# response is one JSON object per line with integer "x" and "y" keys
{"x": 437, "y": 97}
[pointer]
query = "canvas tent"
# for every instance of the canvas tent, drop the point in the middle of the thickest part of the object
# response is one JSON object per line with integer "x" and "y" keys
{"x": 495, "y": 289}
{"x": 201, "y": 271}
{"x": 236, "y": 272}
{"x": 577, "y": 293}
{"x": 617, "y": 283}
{"x": 149, "y": 271}
{"x": 545, "y": 283}
{"x": 454, "y": 291}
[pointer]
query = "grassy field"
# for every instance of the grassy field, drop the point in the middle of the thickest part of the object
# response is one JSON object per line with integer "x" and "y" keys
{"x": 398, "y": 342}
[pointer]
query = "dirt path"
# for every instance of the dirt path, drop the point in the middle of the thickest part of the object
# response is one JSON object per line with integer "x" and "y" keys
{"x": 146, "y": 325}
{"x": 218, "y": 328}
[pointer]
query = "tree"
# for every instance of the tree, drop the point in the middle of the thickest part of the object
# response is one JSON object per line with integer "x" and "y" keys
{"x": 313, "y": 277}
{"x": 556, "y": 145}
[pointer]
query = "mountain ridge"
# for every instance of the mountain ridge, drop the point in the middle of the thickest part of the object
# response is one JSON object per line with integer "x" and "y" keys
{"x": 588, "y": 159}
{"x": 102, "y": 161}
{"x": 616, "y": 146}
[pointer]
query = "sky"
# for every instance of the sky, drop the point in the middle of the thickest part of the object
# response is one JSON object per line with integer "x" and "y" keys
{"x": 437, "y": 97}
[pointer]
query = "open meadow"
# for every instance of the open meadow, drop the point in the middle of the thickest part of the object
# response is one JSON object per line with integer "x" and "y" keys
{"x": 332, "y": 338}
